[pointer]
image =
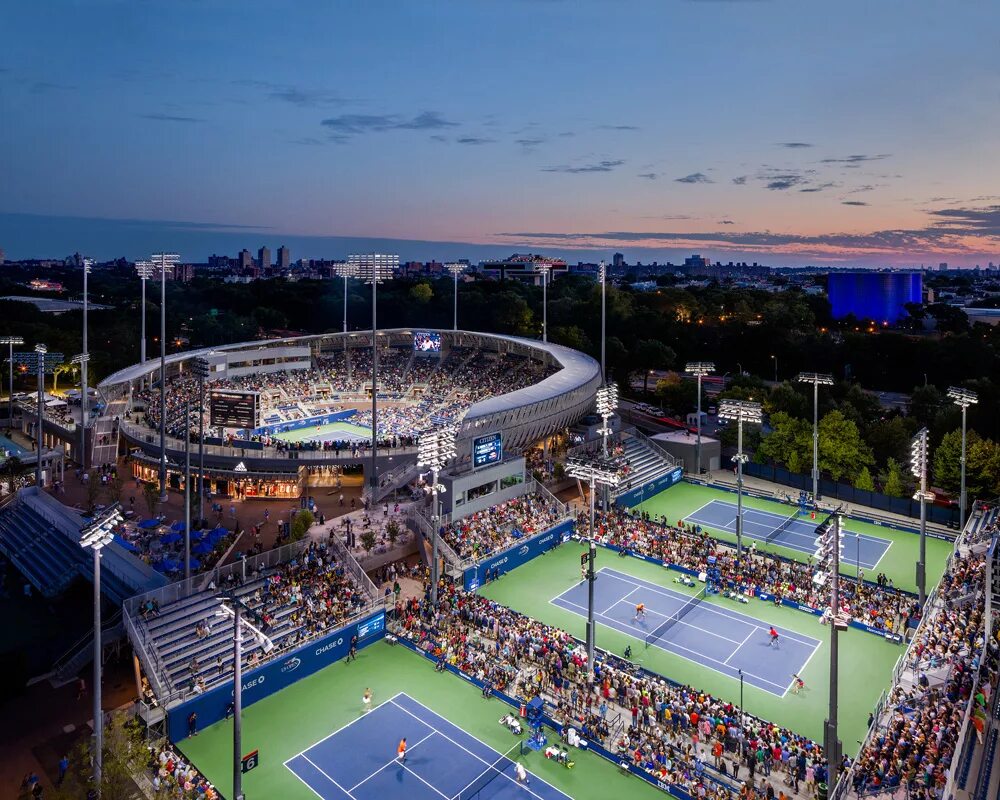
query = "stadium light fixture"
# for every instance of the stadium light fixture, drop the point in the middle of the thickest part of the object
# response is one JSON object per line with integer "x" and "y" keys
{"x": 163, "y": 262}
{"x": 918, "y": 467}
{"x": 81, "y": 360}
{"x": 39, "y": 362}
{"x": 200, "y": 368}
{"x": 97, "y": 535}
{"x": 816, "y": 379}
{"x": 740, "y": 411}
{"x": 963, "y": 398}
{"x": 455, "y": 270}
{"x": 374, "y": 268}
{"x": 602, "y": 276}
{"x": 10, "y": 341}
{"x": 699, "y": 369}
{"x": 435, "y": 448}
{"x": 85, "y": 397}
{"x": 544, "y": 270}
{"x": 607, "y": 404}
{"x": 346, "y": 271}
{"x": 145, "y": 271}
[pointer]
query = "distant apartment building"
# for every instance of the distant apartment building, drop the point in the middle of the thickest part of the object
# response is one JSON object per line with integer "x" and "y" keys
{"x": 284, "y": 258}
{"x": 523, "y": 267}
{"x": 246, "y": 260}
{"x": 264, "y": 258}
{"x": 618, "y": 261}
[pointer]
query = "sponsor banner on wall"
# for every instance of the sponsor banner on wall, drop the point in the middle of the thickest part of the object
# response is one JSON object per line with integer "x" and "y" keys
{"x": 275, "y": 675}
{"x": 517, "y": 554}
{"x": 635, "y": 496}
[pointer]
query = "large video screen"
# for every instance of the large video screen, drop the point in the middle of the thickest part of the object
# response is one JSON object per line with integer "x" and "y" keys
{"x": 487, "y": 450}
{"x": 233, "y": 409}
{"x": 427, "y": 342}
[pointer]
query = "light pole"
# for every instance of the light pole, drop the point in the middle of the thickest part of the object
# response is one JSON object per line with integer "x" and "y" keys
{"x": 346, "y": 271}
{"x": 918, "y": 467}
{"x": 607, "y": 404}
{"x": 544, "y": 270}
{"x": 236, "y": 614}
{"x": 602, "y": 276}
{"x": 963, "y": 398}
{"x": 606, "y": 472}
{"x": 10, "y": 341}
{"x": 374, "y": 269}
{"x": 81, "y": 361}
{"x": 163, "y": 261}
{"x": 741, "y": 411}
{"x": 699, "y": 369}
{"x": 774, "y": 358}
{"x": 144, "y": 269}
{"x": 815, "y": 378}
{"x": 199, "y": 366}
{"x": 96, "y": 536}
{"x": 455, "y": 270}
{"x": 828, "y": 569}
{"x": 436, "y": 448}
{"x": 38, "y": 362}
{"x": 187, "y": 487}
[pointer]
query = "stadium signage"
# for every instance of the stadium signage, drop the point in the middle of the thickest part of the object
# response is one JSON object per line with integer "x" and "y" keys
{"x": 231, "y": 409}
{"x": 273, "y": 676}
{"x": 511, "y": 559}
{"x": 487, "y": 450}
{"x": 637, "y": 495}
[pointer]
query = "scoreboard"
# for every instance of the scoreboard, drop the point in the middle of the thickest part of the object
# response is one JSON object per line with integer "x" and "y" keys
{"x": 234, "y": 409}
{"x": 487, "y": 450}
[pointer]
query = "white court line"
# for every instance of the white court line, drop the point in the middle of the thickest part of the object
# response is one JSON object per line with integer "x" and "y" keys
{"x": 620, "y": 600}
{"x": 733, "y": 616}
{"x": 392, "y": 761}
{"x": 806, "y": 664}
{"x": 304, "y": 781}
{"x": 747, "y": 639}
{"x": 688, "y": 650}
{"x": 415, "y": 775}
{"x": 467, "y": 750}
{"x": 328, "y": 777}
{"x": 680, "y": 622}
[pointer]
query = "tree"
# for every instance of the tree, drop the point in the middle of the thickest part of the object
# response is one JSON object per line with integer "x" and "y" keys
{"x": 947, "y": 460}
{"x": 983, "y": 469}
{"x": 13, "y": 470}
{"x": 368, "y": 541}
{"x": 789, "y": 442}
{"x": 392, "y": 531}
{"x": 785, "y": 397}
{"x": 94, "y": 490}
{"x": 890, "y": 438}
{"x": 924, "y": 404}
{"x": 301, "y": 523}
{"x": 151, "y": 495}
{"x": 115, "y": 488}
{"x": 125, "y": 755}
{"x": 864, "y": 481}
{"x": 652, "y": 354}
{"x": 421, "y": 293}
{"x": 894, "y": 482}
{"x": 66, "y": 368}
{"x": 842, "y": 451}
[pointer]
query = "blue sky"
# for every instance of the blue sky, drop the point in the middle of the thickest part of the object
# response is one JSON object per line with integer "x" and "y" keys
{"x": 784, "y": 132}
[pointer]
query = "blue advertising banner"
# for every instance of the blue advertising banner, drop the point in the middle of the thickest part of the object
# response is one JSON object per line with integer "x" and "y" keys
{"x": 275, "y": 675}
{"x": 633, "y": 497}
{"x": 517, "y": 554}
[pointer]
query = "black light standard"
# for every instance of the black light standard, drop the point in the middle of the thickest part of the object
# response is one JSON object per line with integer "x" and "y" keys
{"x": 699, "y": 369}
{"x": 199, "y": 366}
{"x": 346, "y": 271}
{"x": 10, "y": 341}
{"x": 963, "y": 398}
{"x": 815, "y": 378}
{"x": 96, "y": 536}
{"x": 607, "y": 404}
{"x": 602, "y": 276}
{"x": 918, "y": 467}
{"x": 163, "y": 262}
{"x": 81, "y": 361}
{"x": 38, "y": 362}
{"x": 144, "y": 269}
{"x": 455, "y": 270}
{"x": 374, "y": 269}
{"x": 435, "y": 449}
{"x": 740, "y": 411}
{"x": 828, "y": 570}
{"x": 544, "y": 270}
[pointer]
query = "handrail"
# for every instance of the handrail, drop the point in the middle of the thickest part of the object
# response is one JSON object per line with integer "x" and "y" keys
{"x": 85, "y": 641}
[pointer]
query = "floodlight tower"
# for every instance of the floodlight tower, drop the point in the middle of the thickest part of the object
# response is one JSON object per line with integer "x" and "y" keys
{"x": 435, "y": 449}
{"x": 346, "y": 271}
{"x": 544, "y": 270}
{"x": 607, "y": 404}
{"x": 163, "y": 262}
{"x": 145, "y": 270}
{"x": 97, "y": 535}
{"x": 699, "y": 369}
{"x": 606, "y": 472}
{"x": 39, "y": 362}
{"x": 918, "y": 468}
{"x": 828, "y": 571}
{"x": 963, "y": 398}
{"x": 815, "y": 378}
{"x": 81, "y": 361}
{"x": 200, "y": 368}
{"x": 374, "y": 268}
{"x": 602, "y": 276}
{"x": 456, "y": 270}
{"x": 740, "y": 411}
{"x": 10, "y": 341}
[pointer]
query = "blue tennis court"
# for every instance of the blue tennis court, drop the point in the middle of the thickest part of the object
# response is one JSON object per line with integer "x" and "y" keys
{"x": 800, "y": 534}
{"x": 359, "y": 761}
{"x": 704, "y": 632}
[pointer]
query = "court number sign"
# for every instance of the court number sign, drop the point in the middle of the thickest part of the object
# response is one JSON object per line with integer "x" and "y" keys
{"x": 251, "y": 760}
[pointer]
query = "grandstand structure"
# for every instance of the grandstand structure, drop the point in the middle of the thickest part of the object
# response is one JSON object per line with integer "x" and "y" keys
{"x": 314, "y": 395}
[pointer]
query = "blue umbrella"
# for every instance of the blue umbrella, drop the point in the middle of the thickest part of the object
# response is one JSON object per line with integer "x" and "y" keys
{"x": 178, "y": 526}
{"x": 146, "y": 524}
{"x": 170, "y": 565}
{"x": 126, "y": 544}
{"x": 202, "y": 548}
{"x": 194, "y": 563}
{"x": 221, "y": 528}
{"x": 217, "y": 535}
{"x": 170, "y": 538}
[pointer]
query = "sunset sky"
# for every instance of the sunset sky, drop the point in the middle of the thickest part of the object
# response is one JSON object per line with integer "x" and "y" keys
{"x": 791, "y": 132}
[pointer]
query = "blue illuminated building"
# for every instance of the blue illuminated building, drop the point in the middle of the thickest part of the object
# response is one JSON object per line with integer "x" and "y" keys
{"x": 879, "y": 296}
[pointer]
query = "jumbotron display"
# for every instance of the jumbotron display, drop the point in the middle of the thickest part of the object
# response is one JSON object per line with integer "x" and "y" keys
{"x": 487, "y": 450}
{"x": 234, "y": 409}
{"x": 427, "y": 342}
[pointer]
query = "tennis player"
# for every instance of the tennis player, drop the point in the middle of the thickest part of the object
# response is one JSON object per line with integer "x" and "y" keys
{"x": 520, "y": 773}
{"x": 401, "y": 750}
{"x": 797, "y": 683}
{"x": 366, "y": 700}
{"x": 774, "y": 637}
{"x": 640, "y": 612}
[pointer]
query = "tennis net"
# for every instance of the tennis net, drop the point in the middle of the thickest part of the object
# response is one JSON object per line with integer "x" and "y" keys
{"x": 686, "y": 609}
{"x": 784, "y": 526}
{"x": 502, "y": 766}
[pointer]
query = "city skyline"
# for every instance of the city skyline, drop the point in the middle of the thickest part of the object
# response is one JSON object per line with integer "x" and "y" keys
{"x": 756, "y": 131}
